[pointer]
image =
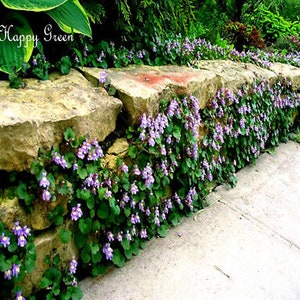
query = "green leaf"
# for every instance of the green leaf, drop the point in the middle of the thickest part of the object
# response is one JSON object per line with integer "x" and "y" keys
{"x": 65, "y": 65}
{"x": 132, "y": 151}
{"x": 82, "y": 173}
{"x": 125, "y": 244}
{"x": 103, "y": 211}
{"x": 118, "y": 259}
{"x": 85, "y": 225}
{"x": 22, "y": 190}
{"x": 80, "y": 239}
{"x": 128, "y": 253}
{"x": 32, "y": 5}
{"x": 177, "y": 132}
{"x": 71, "y": 17}
{"x": 16, "y": 42}
{"x": 162, "y": 231}
{"x": 85, "y": 254}
{"x": 65, "y": 235}
{"x": 69, "y": 134}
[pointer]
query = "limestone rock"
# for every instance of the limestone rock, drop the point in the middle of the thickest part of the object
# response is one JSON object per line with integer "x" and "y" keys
{"x": 289, "y": 71}
{"x": 141, "y": 88}
{"x": 118, "y": 149}
{"x": 233, "y": 74}
{"x": 49, "y": 243}
{"x": 11, "y": 211}
{"x": 37, "y": 116}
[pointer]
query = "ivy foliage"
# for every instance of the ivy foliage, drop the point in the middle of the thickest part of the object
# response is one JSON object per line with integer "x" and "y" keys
{"x": 174, "y": 160}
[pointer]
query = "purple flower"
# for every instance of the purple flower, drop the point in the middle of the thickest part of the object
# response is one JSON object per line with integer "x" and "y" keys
{"x": 4, "y": 240}
{"x": 108, "y": 251}
{"x": 134, "y": 189}
{"x": 26, "y": 231}
{"x": 110, "y": 236}
{"x": 73, "y": 265}
{"x": 44, "y": 182}
{"x": 22, "y": 241}
{"x": 17, "y": 229}
{"x": 19, "y": 296}
{"x": 76, "y": 212}
{"x": 128, "y": 236}
{"x": 7, "y": 274}
{"x": 143, "y": 233}
{"x": 46, "y": 195}
{"x": 126, "y": 197}
{"x": 136, "y": 170}
{"x": 124, "y": 168}
{"x": 119, "y": 236}
{"x": 15, "y": 270}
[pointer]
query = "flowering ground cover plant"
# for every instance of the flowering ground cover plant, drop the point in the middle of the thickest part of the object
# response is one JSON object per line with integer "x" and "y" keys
{"x": 174, "y": 159}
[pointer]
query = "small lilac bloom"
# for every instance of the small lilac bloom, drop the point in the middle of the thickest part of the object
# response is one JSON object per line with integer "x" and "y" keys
{"x": 143, "y": 233}
{"x": 56, "y": 158}
{"x": 22, "y": 241}
{"x": 110, "y": 236}
{"x": 4, "y": 240}
{"x": 19, "y": 296}
{"x": 134, "y": 189}
{"x": 126, "y": 197}
{"x": 128, "y": 236}
{"x": 73, "y": 265}
{"x": 7, "y": 274}
{"x": 46, "y": 195}
{"x": 17, "y": 229}
{"x": 76, "y": 212}
{"x": 108, "y": 251}
{"x": 44, "y": 182}
{"x": 124, "y": 168}
{"x": 136, "y": 170}
{"x": 26, "y": 231}
{"x": 119, "y": 236}
{"x": 15, "y": 270}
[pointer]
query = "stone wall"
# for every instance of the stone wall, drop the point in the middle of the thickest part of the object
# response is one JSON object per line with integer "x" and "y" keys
{"x": 36, "y": 116}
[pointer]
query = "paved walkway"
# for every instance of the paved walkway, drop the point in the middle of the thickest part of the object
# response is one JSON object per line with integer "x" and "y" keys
{"x": 246, "y": 245}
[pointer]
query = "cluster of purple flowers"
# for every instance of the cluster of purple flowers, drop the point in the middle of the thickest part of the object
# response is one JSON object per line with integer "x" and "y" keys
{"x": 13, "y": 272}
{"x": 60, "y": 160}
{"x": 73, "y": 266}
{"x": 45, "y": 184}
{"x": 22, "y": 233}
{"x": 76, "y": 212}
{"x": 153, "y": 128}
{"x": 91, "y": 151}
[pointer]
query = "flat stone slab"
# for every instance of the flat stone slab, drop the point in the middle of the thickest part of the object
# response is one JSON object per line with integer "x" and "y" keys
{"x": 142, "y": 87}
{"x": 37, "y": 116}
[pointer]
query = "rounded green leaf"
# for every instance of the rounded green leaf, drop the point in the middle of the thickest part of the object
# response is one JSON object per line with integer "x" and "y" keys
{"x": 16, "y": 42}
{"x": 71, "y": 17}
{"x": 32, "y": 5}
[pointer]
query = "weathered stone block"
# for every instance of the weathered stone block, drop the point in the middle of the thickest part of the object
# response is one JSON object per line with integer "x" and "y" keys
{"x": 37, "y": 116}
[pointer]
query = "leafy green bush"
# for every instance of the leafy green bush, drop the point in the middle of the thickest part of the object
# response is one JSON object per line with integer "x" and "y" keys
{"x": 272, "y": 25}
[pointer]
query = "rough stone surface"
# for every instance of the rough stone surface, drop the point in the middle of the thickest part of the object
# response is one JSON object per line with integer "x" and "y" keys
{"x": 11, "y": 211}
{"x": 233, "y": 74}
{"x": 285, "y": 70}
{"x": 142, "y": 87}
{"x": 48, "y": 243}
{"x": 37, "y": 116}
{"x": 118, "y": 150}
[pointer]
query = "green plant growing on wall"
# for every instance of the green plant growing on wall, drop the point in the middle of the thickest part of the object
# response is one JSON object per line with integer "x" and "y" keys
{"x": 17, "y": 39}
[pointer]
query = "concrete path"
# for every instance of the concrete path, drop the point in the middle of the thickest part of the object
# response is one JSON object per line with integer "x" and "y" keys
{"x": 245, "y": 245}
